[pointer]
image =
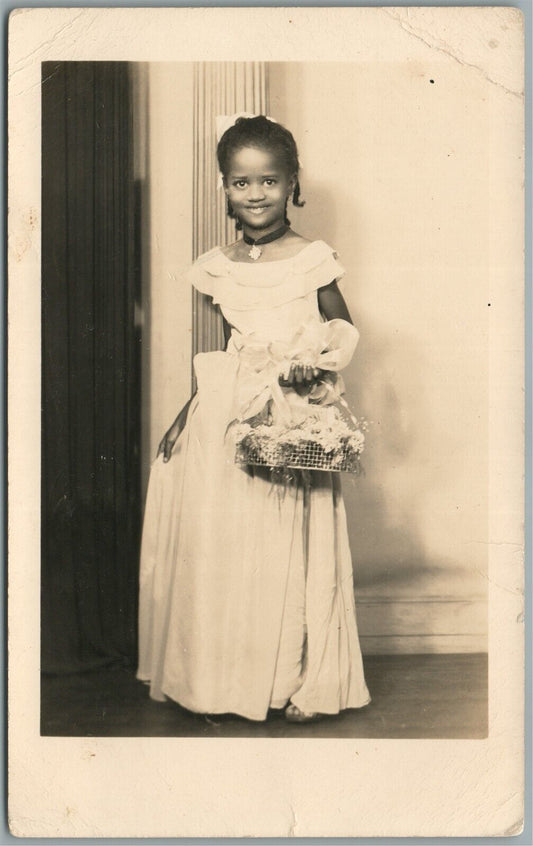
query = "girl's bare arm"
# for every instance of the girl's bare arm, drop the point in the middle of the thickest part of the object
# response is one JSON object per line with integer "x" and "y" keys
{"x": 227, "y": 331}
{"x": 331, "y": 303}
{"x": 171, "y": 436}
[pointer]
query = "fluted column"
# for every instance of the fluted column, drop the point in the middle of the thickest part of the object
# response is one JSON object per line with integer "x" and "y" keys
{"x": 220, "y": 88}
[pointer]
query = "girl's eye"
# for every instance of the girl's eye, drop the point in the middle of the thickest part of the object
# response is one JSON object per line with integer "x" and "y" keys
{"x": 270, "y": 182}
{"x": 240, "y": 183}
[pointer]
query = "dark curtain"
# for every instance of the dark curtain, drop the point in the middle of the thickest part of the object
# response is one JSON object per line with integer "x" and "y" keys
{"x": 90, "y": 369}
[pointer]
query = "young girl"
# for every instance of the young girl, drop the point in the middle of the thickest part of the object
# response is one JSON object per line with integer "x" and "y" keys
{"x": 246, "y": 593}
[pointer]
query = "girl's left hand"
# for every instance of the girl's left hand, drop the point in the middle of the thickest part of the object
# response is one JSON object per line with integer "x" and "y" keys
{"x": 301, "y": 377}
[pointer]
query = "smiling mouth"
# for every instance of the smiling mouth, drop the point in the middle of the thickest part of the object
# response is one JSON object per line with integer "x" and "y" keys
{"x": 257, "y": 209}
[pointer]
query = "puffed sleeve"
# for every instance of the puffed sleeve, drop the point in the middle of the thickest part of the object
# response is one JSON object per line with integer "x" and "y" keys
{"x": 207, "y": 270}
{"x": 316, "y": 266}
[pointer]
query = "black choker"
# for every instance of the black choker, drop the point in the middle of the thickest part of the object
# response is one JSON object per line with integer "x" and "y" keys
{"x": 256, "y": 250}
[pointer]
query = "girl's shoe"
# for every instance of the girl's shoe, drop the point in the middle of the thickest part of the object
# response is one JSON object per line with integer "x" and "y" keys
{"x": 294, "y": 715}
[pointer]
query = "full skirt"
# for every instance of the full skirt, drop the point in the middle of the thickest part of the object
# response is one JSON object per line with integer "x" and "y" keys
{"x": 246, "y": 584}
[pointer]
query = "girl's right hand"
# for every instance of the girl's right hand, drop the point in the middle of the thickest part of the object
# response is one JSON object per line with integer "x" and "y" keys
{"x": 169, "y": 439}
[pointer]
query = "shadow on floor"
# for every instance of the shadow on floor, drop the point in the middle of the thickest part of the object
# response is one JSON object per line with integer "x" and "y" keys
{"x": 413, "y": 696}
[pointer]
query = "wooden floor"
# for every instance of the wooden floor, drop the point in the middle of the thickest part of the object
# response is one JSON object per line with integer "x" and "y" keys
{"x": 413, "y": 696}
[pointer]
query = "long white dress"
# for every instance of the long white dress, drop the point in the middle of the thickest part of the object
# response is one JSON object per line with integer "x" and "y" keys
{"x": 246, "y": 590}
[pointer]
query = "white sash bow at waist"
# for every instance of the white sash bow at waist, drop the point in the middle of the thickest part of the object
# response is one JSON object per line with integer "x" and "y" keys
{"x": 254, "y": 364}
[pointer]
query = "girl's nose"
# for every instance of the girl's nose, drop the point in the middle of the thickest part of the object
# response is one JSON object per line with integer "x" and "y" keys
{"x": 256, "y": 191}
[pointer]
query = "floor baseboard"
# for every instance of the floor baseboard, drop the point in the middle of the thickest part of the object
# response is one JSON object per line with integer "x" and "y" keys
{"x": 421, "y": 625}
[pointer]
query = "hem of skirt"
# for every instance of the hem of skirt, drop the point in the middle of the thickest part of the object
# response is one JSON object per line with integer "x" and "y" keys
{"x": 217, "y": 709}
{"x": 279, "y": 704}
{"x": 195, "y": 709}
{"x": 330, "y": 712}
{"x": 239, "y": 712}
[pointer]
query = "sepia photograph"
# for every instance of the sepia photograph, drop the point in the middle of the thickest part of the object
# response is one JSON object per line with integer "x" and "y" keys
{"x": 272, "y": 295}
{"x": 237, "y": 596}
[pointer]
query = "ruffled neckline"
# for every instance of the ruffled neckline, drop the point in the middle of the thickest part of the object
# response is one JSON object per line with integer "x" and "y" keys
{"x": 243, "y": 285}
{"x": 268, "y": 273}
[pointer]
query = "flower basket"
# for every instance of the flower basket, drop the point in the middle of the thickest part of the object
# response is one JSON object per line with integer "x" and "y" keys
{"x": 325, "y": 440}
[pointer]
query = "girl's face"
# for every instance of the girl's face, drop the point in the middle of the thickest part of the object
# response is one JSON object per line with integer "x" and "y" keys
{"x": 258, "y": 186}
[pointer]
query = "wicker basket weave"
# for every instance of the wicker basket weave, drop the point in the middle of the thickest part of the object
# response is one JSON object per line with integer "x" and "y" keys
{"x": 307, "y": 455}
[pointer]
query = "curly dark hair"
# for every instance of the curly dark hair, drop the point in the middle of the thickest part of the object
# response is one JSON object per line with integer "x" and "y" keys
{"x": 264, "y": 134}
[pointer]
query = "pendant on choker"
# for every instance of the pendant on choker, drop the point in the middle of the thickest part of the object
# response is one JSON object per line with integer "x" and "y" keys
{"x": 255, "y": 252}
{"x": 255, "y": 244}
